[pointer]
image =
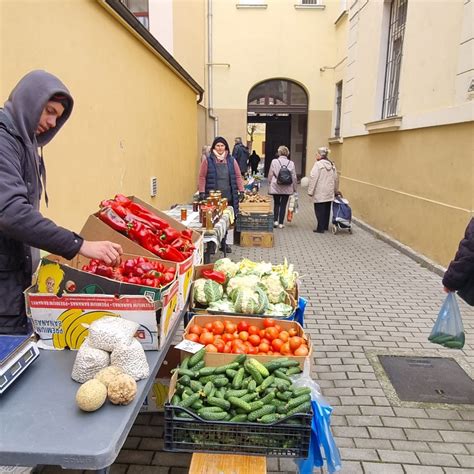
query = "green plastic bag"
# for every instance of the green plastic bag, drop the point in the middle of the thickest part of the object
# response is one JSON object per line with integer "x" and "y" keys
{"x": 448, "y": 330}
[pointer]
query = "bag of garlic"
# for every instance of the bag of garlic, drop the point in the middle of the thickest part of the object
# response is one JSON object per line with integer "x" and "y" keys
{"x": 108, "y": 332}
{"x": 89, "y": 361}
{"x": 131, "y": 359}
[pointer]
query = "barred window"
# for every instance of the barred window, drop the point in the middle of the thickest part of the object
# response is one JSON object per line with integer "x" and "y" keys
{"x": 398, "y": 14}
{"x": 338, "y": 109}
{"x": 140, "y": 9}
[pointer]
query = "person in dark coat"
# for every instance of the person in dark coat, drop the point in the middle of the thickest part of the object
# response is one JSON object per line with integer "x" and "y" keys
{"x": 461, "y": 269}
{"x": 241, "y": 153}
{"x": 254, "y": 161}
{"x": 36, "y": 110}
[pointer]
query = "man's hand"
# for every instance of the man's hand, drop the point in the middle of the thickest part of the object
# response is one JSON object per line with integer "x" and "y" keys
{"x": 202, "y": 196}
{"x": 241, "y": 196}
{"x": 107, "y": 251}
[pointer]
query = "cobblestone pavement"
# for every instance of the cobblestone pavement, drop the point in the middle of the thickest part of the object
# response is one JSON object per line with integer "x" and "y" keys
{"x": 364, "y": 297}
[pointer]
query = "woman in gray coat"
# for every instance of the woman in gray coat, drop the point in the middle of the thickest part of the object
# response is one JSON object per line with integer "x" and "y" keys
{"x": 281, "y": 192}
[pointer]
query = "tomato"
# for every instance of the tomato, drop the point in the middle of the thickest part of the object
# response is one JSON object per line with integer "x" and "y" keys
{"x": 244, "y": 335}
{"x": 261, "y": 333}
{"x": 242, "y": 326}
{"x": 253, "y": 330}
{"x": 227, "y": 337}
{"x": 195, "y": 329}
{"x": 192, "y": 337}
{"x": 268, "y": 322}
{"x": 228, "y": 347}
{"x": 220, "y": 344}
{"x": 253, "y": 350}
{"x": 208, "y": 326}
{"x": 248, "y": 347}
{"x": 206, "y": 338}
{"x": 284, "y": 336}
{"x": 293, "y": 332}
{"x": 230, "y": 327}
{"x": 218, "y": 327}
{"x": 237, "y": 343}
{"x": 271, "y": 333}
{"x": 265, "y": 340}
{"x": 295, "y": 342}
{"x": 285, "y": 348}
{"x": 278, "y": 327}
{"x": 254, "y": 339}
{"x": 276, "y": 344}
{"x": 211, "y": 348}
{"x": 238, "y": 350}
{"x": 263, "y": 347}
{"x": 302, "y": 351}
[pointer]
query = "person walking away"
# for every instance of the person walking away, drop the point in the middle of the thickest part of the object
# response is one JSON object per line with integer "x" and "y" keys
{"x": 279, "y": 188}
{"x": 241, "y": 153}
{"x": 460, "y": 273}
{"x": 205, "y": 152}
{"x": 35, "y": 111}
{"x": 254, "y": 161}
{"x": 323, "y": 184}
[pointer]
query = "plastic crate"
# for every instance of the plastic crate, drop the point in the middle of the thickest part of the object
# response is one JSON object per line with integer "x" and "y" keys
{"x": 286, "y": 438}
{"x": 254, "y": 222}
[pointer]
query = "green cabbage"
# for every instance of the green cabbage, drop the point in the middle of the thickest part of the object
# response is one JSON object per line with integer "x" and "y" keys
{"x": 206, "y": 291}
{"x": 225, "y": 305}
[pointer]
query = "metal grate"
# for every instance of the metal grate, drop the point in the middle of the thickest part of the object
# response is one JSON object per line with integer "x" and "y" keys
{"x": 398, "y": 14}
{"x": 428, "y": 379}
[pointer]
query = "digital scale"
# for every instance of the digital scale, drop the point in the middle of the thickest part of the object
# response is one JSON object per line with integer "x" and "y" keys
{"x": 16, "y": 354}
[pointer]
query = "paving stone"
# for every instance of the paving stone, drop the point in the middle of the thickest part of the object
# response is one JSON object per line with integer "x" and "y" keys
{"x": 359, "y": 454}
{"x": 436, "y": 459}
{"x": 422, "y": 435}
{"x": 131, "y": 442}
{"x": 116, "y": 469}
{"x": 414, "y": 446}
{"x": 346, "y": 442}
{"x": 410, "y": 412}
{"x": 396, "y": 422}
{"x": 382, "y": 468}
{"x": 172, "y": 459}
{"x": 449, "y": 448}
{"x": 457, "y": 470}
{"x": 457, "y": 436}
{"x": 152, "y": 444}
{"x": 411, "y": 469}
{"x": 404, "y": 457}
{"x": 372, "y": 443}
{"x": 350, "y": 432}
{"x": 433, "y": 424}
{"x": 387, "y": 433}
{"x": 135, "y": 469}
{"x": 462, "y": 425}
{"x": 465, "y": 460}
{"x": 130, "y": 456}
{"x": 364, "y": 420}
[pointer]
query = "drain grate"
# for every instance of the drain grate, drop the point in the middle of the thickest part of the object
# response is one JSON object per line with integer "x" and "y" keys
{"x": 428, "y": 379}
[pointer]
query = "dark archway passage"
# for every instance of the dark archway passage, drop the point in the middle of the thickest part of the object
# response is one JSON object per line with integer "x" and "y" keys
{"x": 282, "y": 105}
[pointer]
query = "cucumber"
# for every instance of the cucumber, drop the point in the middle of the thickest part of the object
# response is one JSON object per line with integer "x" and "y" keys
{"x": 306, "y": 397}
{"x": 266, "y": 383}
{"x": 220, "y": 392}
{"x": 239, "y": 418}
{"x": 190, "y": 373}
{"x": 252, "y": 370}
{"x": 197, "y": 405}
{"x": 265, "y": 410}
{"x": 268, "y": 398}
{"x": 207, "y": 378}
{"x": 185, "y": 362}
{"x": 238, "y": 378}
{"x": 236, "y": 393}
{"x": 210, "y": 409}
{"x": 221, "y": 369}
{"x": 249, "y": 397}
{"x": 206, "y": 371}
{"x": 270, "y": 418}
{"x": 303, "y": 408}
{"x": 260, "y": 367}
{"x": 278, "y": 373}
{"x": 240, "y": 359}
{"x": 201, "y": 364}
{"x": 279, "y": 381}
{"x": 454, "y": 344}
{"x": 252, "y": 386}
{"x": 187, "y": 402}
{"x": 294, "y": 370}
{"x": 175, "y": 399}
{"x": 208, "y": 389}
{"x": 195, "y": 386}
{"x": 301, "y": 391}
{"x": 220, "y": 381}
{"x": 285, "y": 396}
{"x": 256, "y": 405}
{"x": 239, "y": 403}
{"x": 230, "y": 373}
{"x": 216, "y": 416}
{"x": 218, "y": 402}
{"x": 197, "y": 357}
{"x": 184, "y": 380}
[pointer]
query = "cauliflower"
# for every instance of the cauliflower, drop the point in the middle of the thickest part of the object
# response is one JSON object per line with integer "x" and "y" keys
{"x": 247, "y": 267}
{"x": 224, "y": 305}
{"x": 274, "y": 288}
{"x": 242, "y": 281}
{"x": 122, "y": 390}
{"x": 280, "y": 309}
{"x": 250, "y": 301}
{"x": 91, "y": 395}
{"x": 206, "y": 291}
{"x": 226, "y": 266}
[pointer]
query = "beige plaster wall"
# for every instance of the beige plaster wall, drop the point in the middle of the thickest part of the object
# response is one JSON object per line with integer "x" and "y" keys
{"x": 125, "y": 127}
{"x": 412, "y": 185}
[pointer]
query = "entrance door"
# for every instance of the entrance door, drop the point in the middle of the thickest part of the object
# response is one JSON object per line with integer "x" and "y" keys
{"x": 277, "y": 134}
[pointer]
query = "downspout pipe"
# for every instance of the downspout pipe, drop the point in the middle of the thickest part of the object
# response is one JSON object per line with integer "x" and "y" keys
{"x": 210, "y": 92}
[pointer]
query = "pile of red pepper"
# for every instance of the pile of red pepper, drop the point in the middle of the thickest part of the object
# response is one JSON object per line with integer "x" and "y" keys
{"x": 147, "y": 229}
{"x": 139, "y": 271}
{"x": 218, "y": 277}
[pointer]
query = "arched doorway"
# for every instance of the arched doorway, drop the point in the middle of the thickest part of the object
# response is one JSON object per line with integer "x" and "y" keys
{"x": 279, "y": 109}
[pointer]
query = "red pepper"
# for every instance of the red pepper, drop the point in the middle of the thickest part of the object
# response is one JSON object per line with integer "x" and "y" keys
{"x": 144, "y": 213}
{"x": 218, "y": 277}
{"x": 119, "y": 209}
{"x": 105, "y": 271}
{"x": 169, "y": 235}
{"x": 187, "y": 234}
{"x": 169, "y": 253}
{"x": 123, "y": 200}
{"x": 167, "y": 278}
{"x": 110, "y": 217}
{"x": 182, "y": 244}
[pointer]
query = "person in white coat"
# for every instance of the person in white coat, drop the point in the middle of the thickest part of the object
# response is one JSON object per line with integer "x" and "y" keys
{"x": 323, "y": 184}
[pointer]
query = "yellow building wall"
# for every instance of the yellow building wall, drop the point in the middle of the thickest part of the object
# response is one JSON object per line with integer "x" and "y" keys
{"x": 132, "y": 117}
{"x": 415, "y": 185}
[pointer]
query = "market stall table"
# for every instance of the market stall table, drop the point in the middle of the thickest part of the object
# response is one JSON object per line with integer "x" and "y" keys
{"x": 41, "y": 424}
{"x": 214, "y": 238}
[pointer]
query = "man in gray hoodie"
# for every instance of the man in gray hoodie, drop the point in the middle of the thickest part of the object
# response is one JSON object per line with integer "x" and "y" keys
{"x": 37, "y": 108}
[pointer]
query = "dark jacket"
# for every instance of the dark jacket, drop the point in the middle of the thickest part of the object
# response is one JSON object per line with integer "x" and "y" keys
{"x": 241, "y": 154}
{"x": 23, "y": 230}
{"x": 461, "y": 269}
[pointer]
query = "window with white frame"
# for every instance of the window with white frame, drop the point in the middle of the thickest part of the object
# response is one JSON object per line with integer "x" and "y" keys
{"x": 338, "y": 110}
{"x": 396, "y": 31}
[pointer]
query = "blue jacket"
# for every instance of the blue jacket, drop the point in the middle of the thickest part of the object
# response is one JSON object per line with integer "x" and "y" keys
{"x": 211, "y": 179}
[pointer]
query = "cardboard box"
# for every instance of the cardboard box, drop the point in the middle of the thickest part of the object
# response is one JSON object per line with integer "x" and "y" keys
{"x": 214, "y": 359}
{"x": 95, "y": 229}
{"x": 158, "y": 394}
{"x": 292, "y": 298}
{"x": 256, "y": 239}
{"x": 58, "y": 275}
{"x": 62, "y": 321}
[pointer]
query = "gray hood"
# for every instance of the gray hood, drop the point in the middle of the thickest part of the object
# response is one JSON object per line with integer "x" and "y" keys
{"x": 27, "y": 101}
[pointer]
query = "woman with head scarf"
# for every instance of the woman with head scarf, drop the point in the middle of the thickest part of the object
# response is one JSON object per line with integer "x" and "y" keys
{"x": 323, "y": 184}
{"x": 221, "y": 172}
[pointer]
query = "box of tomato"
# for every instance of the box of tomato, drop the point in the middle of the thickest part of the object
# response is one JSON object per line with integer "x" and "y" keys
{"x": 262, "y": 338}
{"x": 96, "y": 229}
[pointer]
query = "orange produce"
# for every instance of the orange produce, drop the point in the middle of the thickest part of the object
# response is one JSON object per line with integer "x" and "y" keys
{"x": 206, "y": 338}
{"x": 285, "y": 349}
{"x": 271, "y": 333}
{"x": 276, "y": 344}
{"x": 230, "y": 327}
{"x": 284, "y": 336}
{"x": 263, "y": 347}
{"x": 268, "y": 322}
{"x": 253, "y": 330}
{"x": 293, "y": 332}
{"x": 192, "y": 337}
{"x": 295, "y": 342}
{"x": 244, "y": 335}
{"x": 195, "y": 329}
{"x": 211, "y": 348}
{"x": 254, "y": 339}
{"x": 208, "y": 326}
{"x": 218, "y": 327}
{"x": 302, "y": 350}
{"x": 242, "y": 326}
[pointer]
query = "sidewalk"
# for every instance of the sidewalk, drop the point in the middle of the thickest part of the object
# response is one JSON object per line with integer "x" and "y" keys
{"x": 364, "y": 297}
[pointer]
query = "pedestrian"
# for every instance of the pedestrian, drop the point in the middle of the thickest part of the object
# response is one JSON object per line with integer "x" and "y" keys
{"x": 221, "y": 172}
{"x": 205, "y": 152}
{"x": 460, "y": 273}
{"x": 280, "y": 190}
{"x": 254, "y": 161}
{"x": 34, "y": 113}
{"x": 241, "y": 153}
{"x": 323, "y": 184}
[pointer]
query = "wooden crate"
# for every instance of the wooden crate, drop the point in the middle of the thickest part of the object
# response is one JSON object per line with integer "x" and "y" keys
{"x": 256, "y": 239}
{"x": 250, "y": 207}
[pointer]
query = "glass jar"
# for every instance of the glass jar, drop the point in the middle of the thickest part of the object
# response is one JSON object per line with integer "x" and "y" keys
{"x": 184, "y": 213}
{"x": 209, "y": 223}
